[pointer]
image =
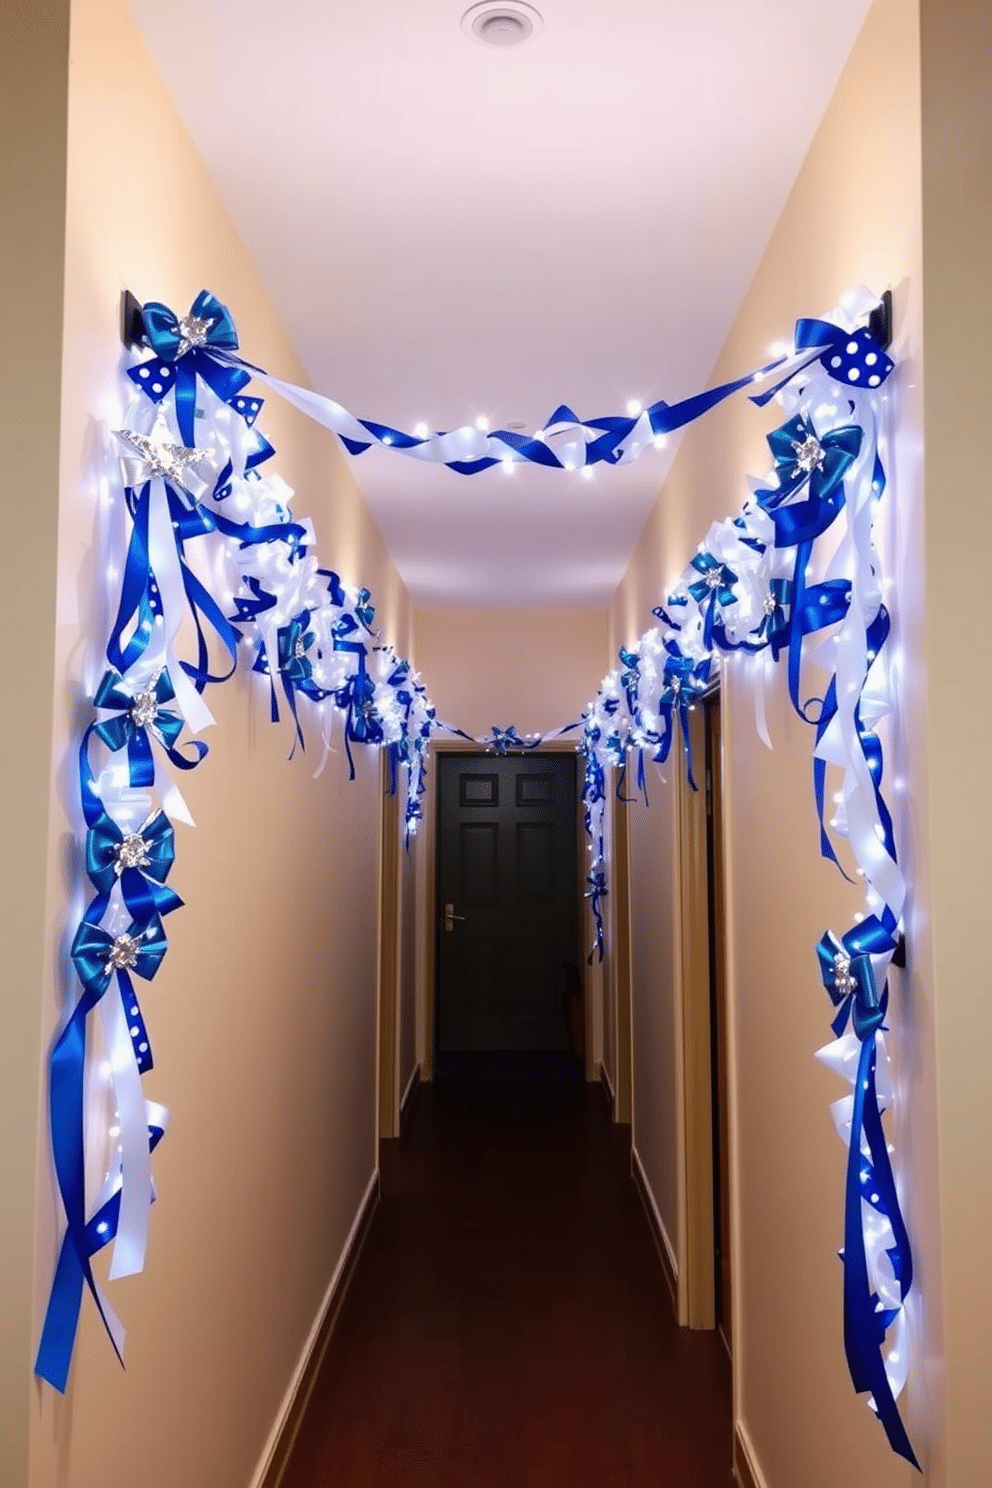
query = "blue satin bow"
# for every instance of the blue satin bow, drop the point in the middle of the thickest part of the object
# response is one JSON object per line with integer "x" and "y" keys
{"x": 188, "y": 343}
{"x": 714, "y": 587}
{"x": 802, "y": 456}
{"x": 856, "y": 359}
{"x": 683, "y": 682}
{"x": 140, "y": 861}
{"x": 137, "y": 715}
{"x": 596, "y": 892}
{"x": 502, "y": 740}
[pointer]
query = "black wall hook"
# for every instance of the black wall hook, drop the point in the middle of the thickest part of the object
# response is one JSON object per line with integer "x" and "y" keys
{"x": 880, "y": 321}
{"x": 132, "y": 320}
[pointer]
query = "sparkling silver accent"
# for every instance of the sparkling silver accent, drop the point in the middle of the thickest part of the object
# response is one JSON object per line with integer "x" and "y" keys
{"x": 676, "y": 684}
{"x": 193, "y": 331}
{"x": 810, "y": 454}
{"x": 299, "y": 649}
{"x": 132, "y": 853}
{"x": 844, "y": 982}
{"x": 123, "y": 954}
{"x": 713, "y": 578}
{"x": 170, "y": 461}
{"x": 768, "y": 604}
{"x": 144, "y": 709}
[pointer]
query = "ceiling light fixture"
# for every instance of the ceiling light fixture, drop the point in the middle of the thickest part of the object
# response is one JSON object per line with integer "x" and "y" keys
{"x": 502, "y": 23}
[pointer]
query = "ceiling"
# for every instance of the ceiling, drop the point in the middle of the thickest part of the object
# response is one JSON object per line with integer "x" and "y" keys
{"x": 450, "y": 229}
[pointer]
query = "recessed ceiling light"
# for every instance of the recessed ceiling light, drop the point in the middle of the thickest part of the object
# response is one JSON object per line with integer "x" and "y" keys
{"x": 502, "y": 22}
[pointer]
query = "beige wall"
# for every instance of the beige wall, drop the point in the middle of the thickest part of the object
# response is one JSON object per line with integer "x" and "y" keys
{"x": 33, "y": 93}
{"x": 536, "y": 668}
{"x": 853, "y": 217}
{"x": 263, "y": 1017}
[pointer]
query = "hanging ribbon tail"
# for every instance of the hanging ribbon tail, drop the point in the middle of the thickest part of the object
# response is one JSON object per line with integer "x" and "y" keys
{"x": 864, "y": 1325}
{"x": 73, "y": 1272}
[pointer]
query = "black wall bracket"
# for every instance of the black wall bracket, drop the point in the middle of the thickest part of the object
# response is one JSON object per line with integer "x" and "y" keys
{"x": 880, "y": 321}
{"x": 132, "y": 321}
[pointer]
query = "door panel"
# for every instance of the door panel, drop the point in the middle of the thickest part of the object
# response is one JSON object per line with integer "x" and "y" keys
{"x": 507, "y": 865}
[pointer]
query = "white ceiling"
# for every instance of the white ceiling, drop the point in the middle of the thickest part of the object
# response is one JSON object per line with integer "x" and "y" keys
{"x": 449, "y": 229}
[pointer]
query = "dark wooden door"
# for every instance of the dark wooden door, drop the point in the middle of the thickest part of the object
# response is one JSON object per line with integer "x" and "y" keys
{"x": 507, "y": 868}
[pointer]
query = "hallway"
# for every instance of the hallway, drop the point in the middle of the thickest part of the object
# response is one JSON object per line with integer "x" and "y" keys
{"x": 508, "y": 1322}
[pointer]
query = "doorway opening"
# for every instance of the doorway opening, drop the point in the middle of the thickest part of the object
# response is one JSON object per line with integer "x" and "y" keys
{"x": 506, "y": 921}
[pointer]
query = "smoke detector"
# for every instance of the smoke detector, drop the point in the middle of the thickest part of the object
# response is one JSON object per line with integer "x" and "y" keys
{"x": 502, "y": 23}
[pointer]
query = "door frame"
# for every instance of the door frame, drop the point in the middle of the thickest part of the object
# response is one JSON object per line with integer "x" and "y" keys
{"x": 696, "y": 1279}
{"x": 431, "y": 826}
{"x": 619, "y": 957}
{"x": 388, "y": 1011}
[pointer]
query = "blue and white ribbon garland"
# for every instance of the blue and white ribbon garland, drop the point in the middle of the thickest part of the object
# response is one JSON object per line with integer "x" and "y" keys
{"x": 747, "y": 590}
{"x": 191, "y": 473}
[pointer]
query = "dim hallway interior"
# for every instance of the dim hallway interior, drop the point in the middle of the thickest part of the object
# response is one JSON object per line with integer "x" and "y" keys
{"x": 508, "y": 1322}
{"x": 295, "y": 1010}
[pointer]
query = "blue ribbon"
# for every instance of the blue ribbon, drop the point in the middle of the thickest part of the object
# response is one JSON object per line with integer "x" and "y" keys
{"x": 143, "y": 885}
{"x": 875, "y": 636}
{"x": 164, "y": 332}
{"x": 841, "y": 353}
{"x": 847, "y": 974}
{"x": 596, "y": 892}
{"x": 125, "y": 729}
{"x": 684, "y": 681}
{"x": 91, "y": 956}
{"x": 799, "y": 523}
{"x": 502, "y": 740}
{"x": 293, "y": 667}
{"x": 714, "y": 587}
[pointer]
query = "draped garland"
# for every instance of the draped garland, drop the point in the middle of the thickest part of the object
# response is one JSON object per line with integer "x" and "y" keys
{"x": 196, "y": 498}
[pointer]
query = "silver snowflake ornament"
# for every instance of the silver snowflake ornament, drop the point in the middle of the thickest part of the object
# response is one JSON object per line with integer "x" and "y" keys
{"x": 144, "y": 709}
{"x": 844, "y": 981}
{"x": 123, "y": 954}
{"x": 714, "y": 577}
{"x": 809, "y": 454}
{"x": 193, "y": 331}
{"x": 160, "y": 457}
{"x": 132, "y": 853}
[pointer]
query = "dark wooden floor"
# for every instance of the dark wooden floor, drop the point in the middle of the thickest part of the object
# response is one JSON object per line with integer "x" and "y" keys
{"x": 508, "y": 1325}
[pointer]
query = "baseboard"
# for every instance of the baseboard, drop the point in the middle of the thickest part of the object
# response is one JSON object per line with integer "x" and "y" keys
{"x": 607, "y": 1085}
{"x": 746, "y": 1469}
{"x": 275, "y": 1457}
{"x": 409, "y": 1095}
{"x": 663, "y": 1245}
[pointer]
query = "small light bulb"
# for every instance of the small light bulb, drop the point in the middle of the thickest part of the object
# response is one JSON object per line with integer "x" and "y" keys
{"x": 482, "y": 424}
{"x": 587, "y": 472}
{"x": 634, "y": 408}
{"x": 659, "y": 441}
{"x": 421, "y": 430}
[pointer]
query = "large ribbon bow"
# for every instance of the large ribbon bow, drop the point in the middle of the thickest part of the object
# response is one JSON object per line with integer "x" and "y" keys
{"x": 184, "y": 346}
{"x": 135, "y": 716}
{"x": 140, "y": 861}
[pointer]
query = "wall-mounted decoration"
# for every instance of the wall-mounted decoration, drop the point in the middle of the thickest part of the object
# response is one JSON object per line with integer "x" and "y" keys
{"x": 192, "y": 494}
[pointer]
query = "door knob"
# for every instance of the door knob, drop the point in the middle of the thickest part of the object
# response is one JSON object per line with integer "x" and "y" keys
{"x": 450, "y": 917}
